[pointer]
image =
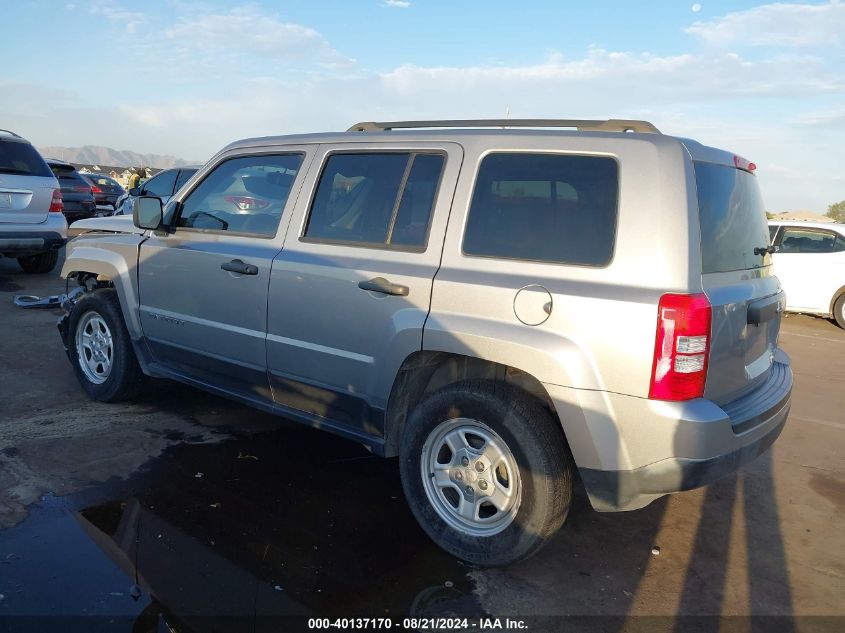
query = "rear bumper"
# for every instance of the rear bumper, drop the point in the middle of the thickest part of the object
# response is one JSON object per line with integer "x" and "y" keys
{"x": 21, "y": 244}
{"x": 644, "y": 449}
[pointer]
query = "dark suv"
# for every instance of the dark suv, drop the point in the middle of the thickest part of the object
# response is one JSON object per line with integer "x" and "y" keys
{"x": 76, "y": 192}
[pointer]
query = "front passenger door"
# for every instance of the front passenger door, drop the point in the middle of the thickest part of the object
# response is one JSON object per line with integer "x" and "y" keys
{"x": 203, "y": 281}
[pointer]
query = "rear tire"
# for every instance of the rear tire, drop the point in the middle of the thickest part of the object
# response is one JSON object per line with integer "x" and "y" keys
{"x": 100, "y": 349}
{"x": 486, "y": 472}
{"x": 39, "y": 264}
{"x": 839, "y": 311}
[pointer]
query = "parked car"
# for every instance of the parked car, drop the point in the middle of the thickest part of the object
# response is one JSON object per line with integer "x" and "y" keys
{"x": 32, "y": 227}
{"x": 76, "y": 192}
{"x": 496, "y": 307}
{"x": 810, "y": 263}
{"x": 106, "y": 191}
{"x": 163, "y": 185}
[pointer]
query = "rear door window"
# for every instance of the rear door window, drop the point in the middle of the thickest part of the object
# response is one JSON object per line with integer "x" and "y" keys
{"x": 732, "y": 218}
{"x": 379, "y": 200}
{"x": 21, "y": 159}
{"x": 544, "y": 207}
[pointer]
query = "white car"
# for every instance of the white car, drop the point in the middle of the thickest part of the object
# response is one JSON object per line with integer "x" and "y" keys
{"x": 810, "y": 263}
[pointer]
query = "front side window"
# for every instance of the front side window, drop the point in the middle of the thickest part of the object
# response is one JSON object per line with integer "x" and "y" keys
{"x": 544, "y": 207}
{"x": 161, "y": 185}
{"x": 382, "y": 200}
{"x": 244, "y": 195}
{"x": 808, "y": 240}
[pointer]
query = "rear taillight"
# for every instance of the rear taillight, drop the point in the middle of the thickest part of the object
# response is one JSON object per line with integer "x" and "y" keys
{"x": 682, "y": 347}
{"x": 96, "y": 189}
{"x": 56, "y": 204}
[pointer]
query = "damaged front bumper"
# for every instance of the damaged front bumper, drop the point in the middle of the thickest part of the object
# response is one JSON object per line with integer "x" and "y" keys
{"x": 67, "y": 303}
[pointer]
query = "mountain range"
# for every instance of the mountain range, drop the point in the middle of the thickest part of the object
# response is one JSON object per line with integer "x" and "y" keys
{"x": 98, "y": 155}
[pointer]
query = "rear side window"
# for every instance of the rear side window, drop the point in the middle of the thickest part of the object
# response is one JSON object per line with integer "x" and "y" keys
{"x": 381, "y": 200}
{"x": 21, "y": 159}
{"x": 801, "y": 240}
{"x": 732, "y": 217}
{"x": 544, "y": 207}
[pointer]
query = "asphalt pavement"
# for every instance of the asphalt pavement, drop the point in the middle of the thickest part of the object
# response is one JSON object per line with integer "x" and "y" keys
{"x": 186, "y": 511}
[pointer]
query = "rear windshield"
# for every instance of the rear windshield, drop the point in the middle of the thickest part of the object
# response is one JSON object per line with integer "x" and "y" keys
{"x": 552, "y": 208}
{"x": 66, "y": 172}
{"x": 21, "y": 158}
{"x": 733, "y": 219}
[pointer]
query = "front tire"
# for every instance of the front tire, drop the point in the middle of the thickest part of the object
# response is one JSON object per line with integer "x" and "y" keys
{"x": 100, "y": 349}
{"x": 486, "y": 472}
{"x": 839, "y": 311}
{"x": 39, "y": 264}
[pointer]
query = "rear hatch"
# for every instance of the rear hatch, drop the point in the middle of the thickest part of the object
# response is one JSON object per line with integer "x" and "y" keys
{"x": 74, "y": 187}
{"x": 744, "y": 293}
{"x": 26, "y": 183}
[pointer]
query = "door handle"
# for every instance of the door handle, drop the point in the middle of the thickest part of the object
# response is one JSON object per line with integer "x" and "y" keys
{"x": 238, "y": 266}
{"x": 380, "y": 284}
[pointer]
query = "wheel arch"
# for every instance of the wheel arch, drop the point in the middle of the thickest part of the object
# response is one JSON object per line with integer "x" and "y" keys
{"x": 425, "y": 371}
{"x": 835, "y": 298}
{"x": 111, "y": 268}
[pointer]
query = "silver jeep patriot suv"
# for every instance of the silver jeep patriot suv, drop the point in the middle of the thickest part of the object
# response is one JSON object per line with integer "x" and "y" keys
{"x": 501, "y": 304}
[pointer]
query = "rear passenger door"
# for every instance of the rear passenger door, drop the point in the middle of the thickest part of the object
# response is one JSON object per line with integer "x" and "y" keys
{"x": 350, "y": 291}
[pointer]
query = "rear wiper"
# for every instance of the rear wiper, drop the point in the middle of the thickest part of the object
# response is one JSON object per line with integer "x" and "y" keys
{"x": 12, "y": 170}
{"x": 765, "y": 250}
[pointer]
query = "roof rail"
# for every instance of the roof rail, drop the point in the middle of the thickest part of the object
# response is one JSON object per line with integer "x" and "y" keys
{"x": 10, "y": 133}
{"x": 609, "y": 125}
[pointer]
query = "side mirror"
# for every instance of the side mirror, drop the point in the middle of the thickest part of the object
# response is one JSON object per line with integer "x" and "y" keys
{"x": 146, "y": 212}
{"x": 135, "y": 191}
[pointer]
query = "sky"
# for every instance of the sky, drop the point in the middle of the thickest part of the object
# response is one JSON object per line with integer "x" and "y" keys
{"x": 766, "y": 81}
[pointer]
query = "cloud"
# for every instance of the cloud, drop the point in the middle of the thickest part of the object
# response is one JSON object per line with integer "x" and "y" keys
{"x": 246, "y": 30}
{"x": 695, "y": 8}
{"x": 402, "y": 4}
{"x": 778, "y": 24}
{"x": 630, "y": 78}
{"x": 130, "y": 20}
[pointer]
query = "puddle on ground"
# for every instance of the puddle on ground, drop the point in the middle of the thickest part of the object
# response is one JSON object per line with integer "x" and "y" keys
{"x": 289, "y": 522}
